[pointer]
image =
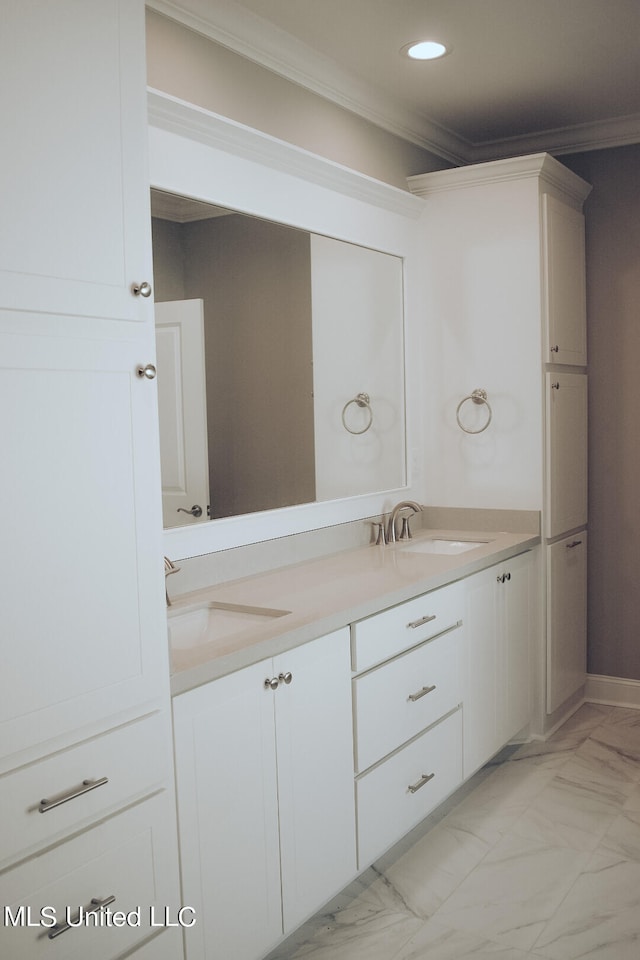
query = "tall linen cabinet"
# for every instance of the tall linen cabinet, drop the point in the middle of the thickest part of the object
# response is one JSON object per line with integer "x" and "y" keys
{"x": 88, "y": 810}
{"x": 504, "y": 282}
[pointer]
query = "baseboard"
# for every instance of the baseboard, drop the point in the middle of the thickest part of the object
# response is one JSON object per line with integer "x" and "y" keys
{"x": 614, "y": 691}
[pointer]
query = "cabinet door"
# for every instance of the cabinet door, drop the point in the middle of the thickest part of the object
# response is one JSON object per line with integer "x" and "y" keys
{"x": 315, "y": 774}
{"x": 228, "y": 815}
{"x": 517, "y": 617}
{"x": 73, "y": 232}
{"x": 566, "y": 618}
{"x": 564, "y": 274}
{"x": 83, "y": 623}
{"x": 566, "y": 452}
{"x": 480, "y": 680}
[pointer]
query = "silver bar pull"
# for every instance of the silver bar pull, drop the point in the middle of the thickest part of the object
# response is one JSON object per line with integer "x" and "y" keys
{"x": 95, "y": 905}
{"x": 574, "y": 543}
{"x": 421, "y": 693}
{"x": 87, "y": 785}
{"x": 414, "y": 787}
{"x": 420, "y": 622}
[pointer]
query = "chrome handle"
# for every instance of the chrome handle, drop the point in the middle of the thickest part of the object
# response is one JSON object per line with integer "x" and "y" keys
{"x": 285, "y": 677}
{"x": 141, "y": 289}
{"x": 420, "y": 622}
{"x": 272, "y": 683}
{"x": 555, "y": 386}
{"x": 95, "y": 905}
{"x": 87, "y": 785}
{"x": 574, "y": 543}
{"x": 196, "y": 510}
{"x": 421, "y": 693}
{"x": 555, "y": 349}
{"x": 148, "y": 371}
{"x": 414, "y": 787}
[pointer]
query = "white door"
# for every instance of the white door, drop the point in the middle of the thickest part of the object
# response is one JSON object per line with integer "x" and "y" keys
{"x": 182, "y": 409}
{"x": 564, "y": 274}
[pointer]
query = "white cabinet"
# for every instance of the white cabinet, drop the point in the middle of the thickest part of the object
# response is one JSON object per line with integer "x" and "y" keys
{"x": 505, "y": 294}
{"x": 566, "y": 617}
{"x": 265, "y": 797}
{"x": 564, "y": 282}
{"x": 73, "y": 233}
{"x": 566, "y": 452}
{"x": 498, "y": 631}
{"x": 84, "y": 682}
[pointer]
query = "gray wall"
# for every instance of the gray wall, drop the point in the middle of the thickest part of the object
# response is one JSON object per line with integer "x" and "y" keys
{"x": 613, "y": 312}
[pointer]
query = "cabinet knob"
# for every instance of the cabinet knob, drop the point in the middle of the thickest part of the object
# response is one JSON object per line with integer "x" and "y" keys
{"x": 285, "y": 677}
{"x": 141, "y": 289}
{"x": 148, "y": 371}
{"x": 555, "y": 348}
{"x": 272, "y": 683}
{"x": 555, "y": 386}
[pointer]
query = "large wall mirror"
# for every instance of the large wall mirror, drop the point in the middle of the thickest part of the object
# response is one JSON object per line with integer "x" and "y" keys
{"x": 280, "y": 359}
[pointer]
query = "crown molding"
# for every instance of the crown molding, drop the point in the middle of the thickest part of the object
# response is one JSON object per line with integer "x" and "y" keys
{"x": 187, "y": 120}
{"x": 260, "y": 41}
{"x": 240, "y": 30}
{"x": 540, "y": 165}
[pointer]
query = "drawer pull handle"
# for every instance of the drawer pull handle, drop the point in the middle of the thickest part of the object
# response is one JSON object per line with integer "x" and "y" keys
{"x": 87, "y": 785}
{"x": 419, "y": 623}
{"x": 574, "y": 543}
{"x": 414, "y": 787}
{"x": 421, "y": 693}
{"x": 95, "y": 905}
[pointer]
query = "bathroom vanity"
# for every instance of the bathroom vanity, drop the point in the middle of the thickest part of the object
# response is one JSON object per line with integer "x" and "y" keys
{"x": 312, "y": 734}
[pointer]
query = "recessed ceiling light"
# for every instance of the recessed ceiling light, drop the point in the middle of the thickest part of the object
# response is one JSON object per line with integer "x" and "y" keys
{"x": 425, "y": 50}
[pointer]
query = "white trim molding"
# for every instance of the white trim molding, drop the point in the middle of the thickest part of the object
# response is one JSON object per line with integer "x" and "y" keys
{"x": 616, "y": 691}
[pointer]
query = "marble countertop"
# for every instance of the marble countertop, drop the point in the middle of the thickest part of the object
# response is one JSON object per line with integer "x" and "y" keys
{"x": 322, "y": 595}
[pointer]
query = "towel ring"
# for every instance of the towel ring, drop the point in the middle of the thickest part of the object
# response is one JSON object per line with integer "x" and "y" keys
{"x": 479, "y": 397}
{"x": 362, "y": 400}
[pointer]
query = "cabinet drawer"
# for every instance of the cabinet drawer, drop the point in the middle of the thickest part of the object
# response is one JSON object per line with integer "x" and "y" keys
{"x": 397, "y": 700}
{"x": 386, "y": 634}
{"x": 387, "y": 808}
{"x": 132, "y": 758}
{"x": 128, "y": 857}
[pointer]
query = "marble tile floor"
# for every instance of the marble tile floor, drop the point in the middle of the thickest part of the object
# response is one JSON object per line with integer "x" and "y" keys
{"x": 537, "y": 858}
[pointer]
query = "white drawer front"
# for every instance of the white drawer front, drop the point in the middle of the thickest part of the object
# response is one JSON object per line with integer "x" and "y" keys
{"x": 129, "y": 857}
{"x": 386, "y": 634}
{"x": 397, "y": 700}
{"x": 132, "y": 758}
{"x": 387, "y": 808}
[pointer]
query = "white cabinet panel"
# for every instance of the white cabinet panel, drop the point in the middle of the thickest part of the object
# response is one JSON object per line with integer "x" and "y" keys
{"x": 73, "y": 232}
{"x": 401, "y": 791}
{"x": 228, "y": 815}
{"x": 315, "y": 775}
{"x": 83, "y": 614}
{"x": 564, "y": 276}
{"x": 128, "y": 857}
{"x": 397, "y": 700}
{"x": 566, "y": 618}
{"x": 566, "y": 453}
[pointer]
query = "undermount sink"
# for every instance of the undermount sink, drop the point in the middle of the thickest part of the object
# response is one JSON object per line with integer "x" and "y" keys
{"x": 208, "y": 622}
{"x": 443, "y": 546}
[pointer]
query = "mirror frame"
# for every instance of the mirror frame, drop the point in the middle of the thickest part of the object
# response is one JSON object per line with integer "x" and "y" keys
{"x": 201, "y": 155}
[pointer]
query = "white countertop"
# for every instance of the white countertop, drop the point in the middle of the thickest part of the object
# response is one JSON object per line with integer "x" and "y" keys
{"x": 328, "y": 593}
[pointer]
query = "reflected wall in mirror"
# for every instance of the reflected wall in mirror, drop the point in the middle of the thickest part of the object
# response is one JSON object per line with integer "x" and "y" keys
{"x": 280, "y": 360}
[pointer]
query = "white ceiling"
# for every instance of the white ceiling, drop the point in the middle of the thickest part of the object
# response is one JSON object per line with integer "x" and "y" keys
{"x": 523, "y": 75}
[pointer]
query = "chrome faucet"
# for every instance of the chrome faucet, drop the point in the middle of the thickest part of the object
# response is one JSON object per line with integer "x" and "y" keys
{"x": 405, "y": 533}
{"x": 169, "y": 568}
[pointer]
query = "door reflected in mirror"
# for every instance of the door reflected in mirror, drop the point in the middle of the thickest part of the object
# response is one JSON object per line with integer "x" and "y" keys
{"x": 280, "y": 360}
